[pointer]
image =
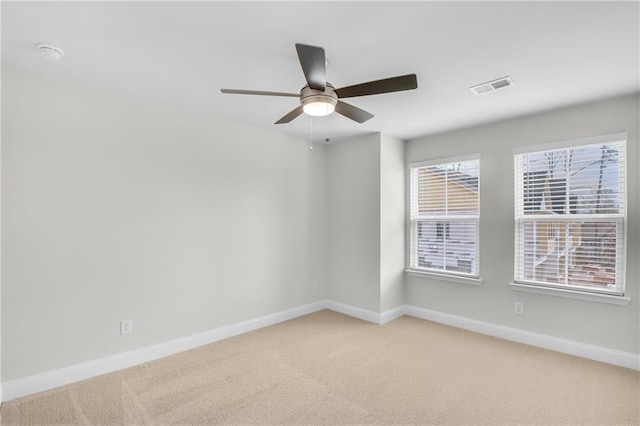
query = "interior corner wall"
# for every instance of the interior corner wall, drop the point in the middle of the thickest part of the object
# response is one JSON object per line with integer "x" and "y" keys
{"x": 353, "y": 173}
{"x": 605, "y": 325}
{"x": 392, "y": 222}
{"x": 366, "y": 222}
{"x": 114, "y": 208}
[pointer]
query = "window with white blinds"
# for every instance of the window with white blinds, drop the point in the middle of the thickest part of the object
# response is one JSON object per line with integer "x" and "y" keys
{"x": 570, "y": 216}
{"x": 445, "y": 210}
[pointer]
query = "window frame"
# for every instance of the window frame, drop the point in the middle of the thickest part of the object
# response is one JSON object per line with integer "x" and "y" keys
{"x": 620, "y": 218}
{"x": 444, "y": 221}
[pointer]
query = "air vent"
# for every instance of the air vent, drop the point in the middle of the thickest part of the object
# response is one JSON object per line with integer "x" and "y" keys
{"x": 490, "y": 86}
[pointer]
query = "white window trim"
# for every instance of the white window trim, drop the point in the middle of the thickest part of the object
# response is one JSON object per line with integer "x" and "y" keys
{"x": 591, "y": 140}
{"x": 576, "y": 293}
{"x": 571, "y": 294}
{"x": 445, "y": 276}
{"x": 447, "y": 160}
{"x": 462, "y": 279}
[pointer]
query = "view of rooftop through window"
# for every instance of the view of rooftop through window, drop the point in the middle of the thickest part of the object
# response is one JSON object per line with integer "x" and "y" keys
{"x": 445, "y": 212}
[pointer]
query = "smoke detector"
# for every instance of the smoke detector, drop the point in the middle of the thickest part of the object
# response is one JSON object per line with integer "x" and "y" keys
{"x": 490, "y": 86}
{"x": 50, "y": 52}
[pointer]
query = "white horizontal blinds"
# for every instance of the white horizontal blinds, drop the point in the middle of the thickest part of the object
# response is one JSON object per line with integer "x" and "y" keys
{"x": 570, "y": 210}
{"x": 583, "y": 254}
{"x": 581, "y": 180}
{"x": 444, "y": 214}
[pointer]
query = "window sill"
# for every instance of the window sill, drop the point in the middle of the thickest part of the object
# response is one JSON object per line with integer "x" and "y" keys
{"x": 572, "y": 294}
{"x": 444, "y": 277}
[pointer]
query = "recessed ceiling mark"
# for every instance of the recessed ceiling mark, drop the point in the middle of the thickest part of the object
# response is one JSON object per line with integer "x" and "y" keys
{"x": 50, "y": 52}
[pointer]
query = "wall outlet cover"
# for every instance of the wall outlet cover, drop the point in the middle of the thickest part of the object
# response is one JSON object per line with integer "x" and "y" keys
{"x": 126, "y": 327}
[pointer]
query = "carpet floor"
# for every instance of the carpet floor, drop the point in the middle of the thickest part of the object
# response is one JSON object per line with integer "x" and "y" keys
{"x": 328, "y": 368}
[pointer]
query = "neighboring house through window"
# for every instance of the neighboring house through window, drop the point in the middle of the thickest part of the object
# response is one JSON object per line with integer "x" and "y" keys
{"x": 570, "y": 215}
{"x": 444, "y": 216}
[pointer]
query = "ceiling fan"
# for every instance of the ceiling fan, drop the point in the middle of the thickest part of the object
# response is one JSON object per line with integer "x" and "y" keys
{"x": 319, "y": 98}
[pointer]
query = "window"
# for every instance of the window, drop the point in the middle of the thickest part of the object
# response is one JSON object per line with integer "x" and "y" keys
{"x": 570, "y": 215}
{"x": 444, "y": 216}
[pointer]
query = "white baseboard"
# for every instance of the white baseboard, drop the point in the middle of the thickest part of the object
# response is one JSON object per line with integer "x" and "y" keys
{"x": 364, "y": 314}
{"x": 392, "y": 314}
{"x": 570, "y": 347}
{"x": 52, "y": 379}
{"x": 353, "y": 311}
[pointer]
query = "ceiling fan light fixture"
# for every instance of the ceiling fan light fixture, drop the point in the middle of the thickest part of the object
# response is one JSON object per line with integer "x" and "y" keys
{"x": 318, "y": 103}
{"x": 319, "y": 108}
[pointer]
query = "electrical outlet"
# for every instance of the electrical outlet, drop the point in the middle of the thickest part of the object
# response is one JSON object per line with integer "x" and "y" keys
{"x": 315, "y": 286}
{"x": 519, "y": 308}
{"x": 126, "y": 327}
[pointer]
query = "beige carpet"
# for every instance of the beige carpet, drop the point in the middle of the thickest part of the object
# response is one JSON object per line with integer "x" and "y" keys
{"x": 327, "y": 368}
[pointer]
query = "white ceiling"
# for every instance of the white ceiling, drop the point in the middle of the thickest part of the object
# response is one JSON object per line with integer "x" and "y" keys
{"x": 558, "y": 53}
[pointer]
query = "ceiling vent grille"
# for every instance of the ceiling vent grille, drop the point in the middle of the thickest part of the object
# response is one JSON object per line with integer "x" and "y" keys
{"x": 490, "y": 86}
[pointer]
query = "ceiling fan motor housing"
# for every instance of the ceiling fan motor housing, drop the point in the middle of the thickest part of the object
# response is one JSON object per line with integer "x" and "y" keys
{"x": 324, "y": 101}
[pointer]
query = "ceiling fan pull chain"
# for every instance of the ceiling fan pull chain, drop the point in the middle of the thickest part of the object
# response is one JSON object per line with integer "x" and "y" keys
{"x": 326, "y": 130}
{"x": 310, "y": 134}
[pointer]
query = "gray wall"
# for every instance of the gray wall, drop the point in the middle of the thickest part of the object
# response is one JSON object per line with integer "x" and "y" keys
{"x": 118, "y": 209}
{"x": 353, "y": 172}
{"x": 611, "y": 326}
{"x": 392, "y": 218}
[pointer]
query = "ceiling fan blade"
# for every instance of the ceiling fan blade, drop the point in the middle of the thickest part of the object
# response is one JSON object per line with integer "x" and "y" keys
{"x": 313, "y": 65}
{"x": 387, "y": 85}
{"x": 352, "y": 112}
{"x": 259, "y": 92}
{"x": 290, "y": 116}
